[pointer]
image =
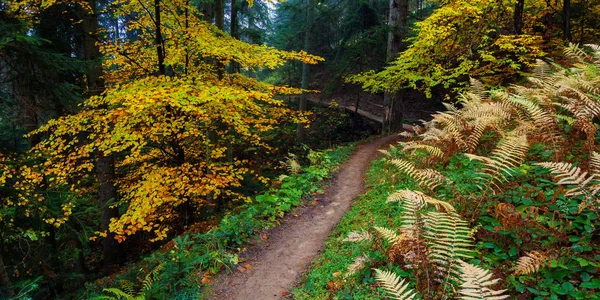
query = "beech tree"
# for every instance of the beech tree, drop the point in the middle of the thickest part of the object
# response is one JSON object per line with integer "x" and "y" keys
{"x": 163, "y": 97}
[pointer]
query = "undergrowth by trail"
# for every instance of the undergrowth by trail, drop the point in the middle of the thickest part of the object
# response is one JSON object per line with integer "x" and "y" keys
{"x": 325, "y": 279}
{"x": 496, "y": 198}
{"x": 183, "y": 268}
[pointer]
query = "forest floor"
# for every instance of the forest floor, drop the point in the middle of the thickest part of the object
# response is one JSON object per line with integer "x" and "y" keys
{"x": 271, "y": 265}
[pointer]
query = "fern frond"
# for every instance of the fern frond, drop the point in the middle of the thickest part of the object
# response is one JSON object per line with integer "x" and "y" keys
{"x": 425, "y": 177}
{"x": 530, "y": 263}
{"x": 538, "y": 114}
{"x": 508, "y": 155}
{"x": 150, "y": 279}
{"x": 291, "y": 164}
{"x": 575, "y": 52}
{"x": 477, "y": 87}
{"x": 569, "y": 174}
{"x": 355, "y": 236}
{"x": 432, "y": 150}
{"x": 357, "y": 265}
{"x": 449, "y": 239}
{"x": 397, "y": 288}
{"x": 595, "y": 163}
{"x": 477, "y": 282}
{"x": 119, "y": 294}
{"x": 390, "y": 235}
{"x": 420, "y": 199}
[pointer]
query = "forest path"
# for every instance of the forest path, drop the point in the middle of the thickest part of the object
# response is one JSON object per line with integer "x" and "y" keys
{"x": 272, "y": 266}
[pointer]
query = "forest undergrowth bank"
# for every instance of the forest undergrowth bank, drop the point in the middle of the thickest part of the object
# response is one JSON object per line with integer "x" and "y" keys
{"x": 496, "y": 199}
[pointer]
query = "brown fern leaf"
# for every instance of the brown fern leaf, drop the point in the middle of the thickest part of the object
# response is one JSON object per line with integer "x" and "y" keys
{"x": 425, "y": 177}
{"x": 409, "y": 253}
{"x": 432, "y": 150}
{"x": 569, "y": 174}
{"x": 390, "y": 235}
{"x": 420, "y": 199}
{"x": 509, "y": 154}
{"x": 356, "y": 236}
{"x": 595, "y": 162}
{"x": 393, "y": 285}
{"x": 358, "y": 264}
{"x": 508, "y": 215}
{"x": 531, "y": 263}
{"x": 477, "y": 282}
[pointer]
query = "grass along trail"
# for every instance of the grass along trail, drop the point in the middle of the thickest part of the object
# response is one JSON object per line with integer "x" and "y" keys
{"x": 272, "y": 266}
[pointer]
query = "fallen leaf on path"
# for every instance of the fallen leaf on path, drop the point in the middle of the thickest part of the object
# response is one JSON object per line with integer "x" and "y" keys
{"x": 248, "y": 266}
{"x": 205, "y": 280}
{"x": 283, "y": 294}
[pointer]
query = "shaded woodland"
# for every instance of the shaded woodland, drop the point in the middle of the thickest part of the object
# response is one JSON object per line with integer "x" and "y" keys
{"x": 134, "y": 133}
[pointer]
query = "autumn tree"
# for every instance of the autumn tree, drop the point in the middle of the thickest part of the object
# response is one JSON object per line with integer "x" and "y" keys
{"x": 163, "y": 97}
{"x": 460, "y": 39}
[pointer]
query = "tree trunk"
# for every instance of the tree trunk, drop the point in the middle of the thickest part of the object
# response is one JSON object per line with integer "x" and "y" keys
{"x": 219, "y": 14}
{"x": 107, "y": 192}
{"x": 310, "y": 16}
{"x": 4, "y": 279}
{"x": 234, "y": 67}
{"x": 566, "y": 16}
{"x": 397, "y": 23}
{"x": 158, "y": 39}
{"x": 518, "y": 16}
{"x": 207, "y": 11}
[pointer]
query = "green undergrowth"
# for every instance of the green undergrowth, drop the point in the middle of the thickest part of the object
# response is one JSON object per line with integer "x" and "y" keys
{"x": 548, "y": 223}
{"x": 186, "y": 264}
{"x": 325, "y": 278}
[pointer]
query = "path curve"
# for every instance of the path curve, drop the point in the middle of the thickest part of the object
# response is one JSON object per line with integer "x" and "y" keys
{"x": 271, "y": 267}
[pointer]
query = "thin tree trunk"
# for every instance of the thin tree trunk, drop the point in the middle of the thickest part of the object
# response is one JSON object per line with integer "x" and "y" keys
{"x": 105, "y": 172}
{"x": 220, "y": 22}
{"x": 4, "y": 279}
{"x": 107, "y": 193}
{"x": 219, "y": 14}
{"x": 518, "y": 16}
{"x": 234, "y": 67}
{"x": 397, "y": 23}
{"x": 158, "y": 39}
{"x": 310, "y": 16}
{"x": 566, "y": 15}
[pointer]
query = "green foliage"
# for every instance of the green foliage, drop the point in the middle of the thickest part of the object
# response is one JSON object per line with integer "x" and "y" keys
{"x": 460, "y": 39}
{"x": 532, "y": 235}
{"x": 192, "y": 257}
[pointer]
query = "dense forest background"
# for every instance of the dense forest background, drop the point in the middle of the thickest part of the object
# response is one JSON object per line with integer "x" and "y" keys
{"x": 124, "y": 124}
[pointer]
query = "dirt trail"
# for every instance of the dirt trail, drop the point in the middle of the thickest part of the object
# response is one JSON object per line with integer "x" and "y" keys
{"x": 271, "y": 267}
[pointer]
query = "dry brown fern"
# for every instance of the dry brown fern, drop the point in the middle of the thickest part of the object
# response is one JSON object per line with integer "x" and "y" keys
{"x": 428, "y": 178}
{"x": 355, "y": 236}
{"x": 509, "y": 154}
{"x": 431, "y": 150}
{"x": 358, "y": 264}
{"x": 449, "y": 240}
{"x": 569, "y": 174}
{"x": 531, "y": 263}
{"x": 420, "y": 199}
{"x": 476, "y": 284}
{"x": 397, "y": 288}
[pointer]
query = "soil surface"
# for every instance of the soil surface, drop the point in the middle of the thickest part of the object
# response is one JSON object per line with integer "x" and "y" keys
{"x": 273, "y": 264}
